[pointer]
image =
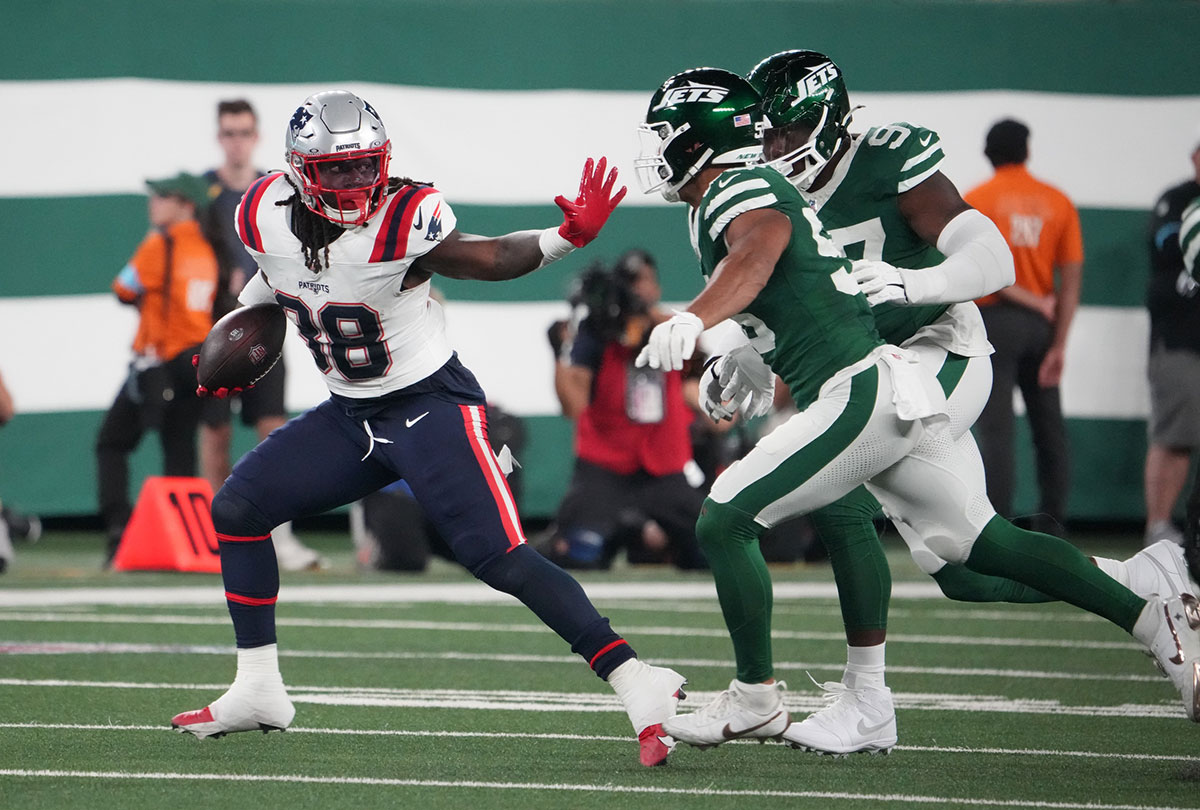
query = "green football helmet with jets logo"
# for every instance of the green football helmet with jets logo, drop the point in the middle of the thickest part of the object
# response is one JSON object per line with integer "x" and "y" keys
{"x": 803, "y": 94}
{"x": 698, "y": 118}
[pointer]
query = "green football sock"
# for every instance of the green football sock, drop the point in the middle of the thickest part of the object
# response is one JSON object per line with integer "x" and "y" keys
{"x": 964, "y": 585}
{"x": 729, "y": 538}
{"x": 1054, "y": 567}
{"x": 860, "y": 567}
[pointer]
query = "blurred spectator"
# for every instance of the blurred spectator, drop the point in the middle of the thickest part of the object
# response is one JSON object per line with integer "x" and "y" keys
{"x": 261, "y": 407}
{"x": 172, "y": 280}
{"x": 1028, "y": 323}
{"x": 1174, "y": 364}
{"x": 13, "y": 524}
{"x": 630, "y": 487}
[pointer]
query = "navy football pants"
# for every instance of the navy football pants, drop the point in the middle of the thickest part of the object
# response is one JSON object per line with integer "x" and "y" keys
{"x": 437, "y": 442}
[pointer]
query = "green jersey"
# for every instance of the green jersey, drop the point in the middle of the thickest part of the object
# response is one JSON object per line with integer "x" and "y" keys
{"x": 860, "y": 209}
{"x": 809, "y": 321}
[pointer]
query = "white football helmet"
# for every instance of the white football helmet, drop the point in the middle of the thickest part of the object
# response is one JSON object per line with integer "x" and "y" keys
{"x": 337, "y": 153}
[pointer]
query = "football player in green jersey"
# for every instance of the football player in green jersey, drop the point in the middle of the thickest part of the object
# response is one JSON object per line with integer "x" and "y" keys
{"x": 923, "y": 254}
{"x": 870, "y": 412}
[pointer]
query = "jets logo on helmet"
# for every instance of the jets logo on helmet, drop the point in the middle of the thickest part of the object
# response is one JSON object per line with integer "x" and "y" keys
{"x": 805, "y": 111}
{"x": 691, "y": 93}
{"x": 815, "y": 82}
{"x": 337, "y": 153}
{"x": 698, "y": 118}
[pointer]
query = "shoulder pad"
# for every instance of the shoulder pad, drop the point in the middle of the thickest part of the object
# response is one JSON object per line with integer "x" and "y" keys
{"x": 265, "y": 190}
{"x": 402, "y": 216}
{"x": 737, "y": 191}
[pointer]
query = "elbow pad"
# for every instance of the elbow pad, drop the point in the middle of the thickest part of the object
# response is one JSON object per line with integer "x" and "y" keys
{"x": 978, "y": 262}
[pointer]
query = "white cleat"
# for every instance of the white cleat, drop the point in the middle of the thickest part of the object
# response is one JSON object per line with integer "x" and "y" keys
{"x": 853, "y": 720}
{"x": 1160, "y": 570}
{"x": 743, "y": 711}
{"x": 1171, "y": 629}
{"x": 262, "y": 706}
{"x": 650, "y": 695}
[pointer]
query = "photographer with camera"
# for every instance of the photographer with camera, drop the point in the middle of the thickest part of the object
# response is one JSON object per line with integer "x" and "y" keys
{"x": 635, "y": 484}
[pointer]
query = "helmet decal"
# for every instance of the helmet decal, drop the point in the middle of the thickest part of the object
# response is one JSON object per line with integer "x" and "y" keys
{"x": 698, "y": 118}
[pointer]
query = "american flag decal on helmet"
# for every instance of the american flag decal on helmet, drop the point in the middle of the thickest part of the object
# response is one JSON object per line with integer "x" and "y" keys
{"x": 742, "y": 120}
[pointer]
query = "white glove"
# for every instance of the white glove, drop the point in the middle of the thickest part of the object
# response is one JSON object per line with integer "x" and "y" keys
{"x": 748, "y": 381}
{"x": 879, "y": 281}
{"x": 712, "y": 396}
{"x": 738, "y": 379}
{"x": 671, "y": 342}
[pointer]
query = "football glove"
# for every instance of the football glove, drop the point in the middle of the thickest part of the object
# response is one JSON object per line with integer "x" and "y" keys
{"x": 879, "y": 281}
{"x": 671, "y": 342}
{"x": 219, "y": 393}
{"x": 584, "y": 217}
{"x": 738, "y": 379}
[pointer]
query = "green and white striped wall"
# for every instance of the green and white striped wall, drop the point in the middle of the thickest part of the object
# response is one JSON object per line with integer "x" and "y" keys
{"x": 499, "y": 103}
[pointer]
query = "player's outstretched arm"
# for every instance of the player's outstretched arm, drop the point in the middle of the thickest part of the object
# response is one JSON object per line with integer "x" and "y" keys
{"x": 500, "y": 258}
{"x": 978, "y": 261}
{"x": 756, "y": 240}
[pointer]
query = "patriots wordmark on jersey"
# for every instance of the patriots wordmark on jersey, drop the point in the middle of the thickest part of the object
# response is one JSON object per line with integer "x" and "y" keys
{"x": 367, "y": 334}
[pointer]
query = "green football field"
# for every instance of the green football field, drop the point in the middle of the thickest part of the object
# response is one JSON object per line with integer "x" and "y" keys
{"x": 426, "y": 691}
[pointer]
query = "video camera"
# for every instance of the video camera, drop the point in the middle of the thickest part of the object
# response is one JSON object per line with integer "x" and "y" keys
{"x": 609, "y": 298}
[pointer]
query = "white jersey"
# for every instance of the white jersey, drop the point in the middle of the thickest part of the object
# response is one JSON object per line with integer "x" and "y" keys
{"x": 367, "y": 334}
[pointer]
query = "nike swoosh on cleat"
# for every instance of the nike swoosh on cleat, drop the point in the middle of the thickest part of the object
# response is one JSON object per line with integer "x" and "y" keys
{"x": 730, "y": 734}
{"x": 866, "y": 730}
{"x": 410, "y": 422}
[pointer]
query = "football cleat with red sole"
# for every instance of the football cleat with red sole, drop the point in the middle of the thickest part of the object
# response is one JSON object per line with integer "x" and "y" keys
{"x": 655, "y": 745}
{"x": 263, "y": 707}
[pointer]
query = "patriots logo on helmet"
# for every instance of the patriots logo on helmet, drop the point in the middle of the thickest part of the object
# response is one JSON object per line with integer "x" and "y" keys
{"x": 370, "y": 109}
{"x": 299, "y": 119}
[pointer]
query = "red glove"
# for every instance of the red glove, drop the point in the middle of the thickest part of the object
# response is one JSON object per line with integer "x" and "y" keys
{"x": 219, "y": 393}
{"x": 595, "y": 201}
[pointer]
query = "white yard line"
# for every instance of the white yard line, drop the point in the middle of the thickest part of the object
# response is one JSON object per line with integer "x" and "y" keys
{"x": 460, "y": 592}
{"x": 530, "y": 701}
{"x": 105, "y": 648}
{"x": 606, "y": 789}
{"x": 506, "y": 627}
{"x": 502, "y": 735}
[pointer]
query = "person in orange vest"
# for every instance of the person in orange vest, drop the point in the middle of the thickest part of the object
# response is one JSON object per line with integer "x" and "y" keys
{"x": 1028, "y": 322}
{"x": 171, "y": 279}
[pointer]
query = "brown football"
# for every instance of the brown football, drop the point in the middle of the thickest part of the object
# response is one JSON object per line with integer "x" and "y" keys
{"x": 242, "y": 347}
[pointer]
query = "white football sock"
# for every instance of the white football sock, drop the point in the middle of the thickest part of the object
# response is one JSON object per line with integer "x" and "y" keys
{"x": 865, "y": 666}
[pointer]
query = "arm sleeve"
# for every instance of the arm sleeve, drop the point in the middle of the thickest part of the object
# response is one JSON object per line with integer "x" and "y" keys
{"x": 978, "y": 262}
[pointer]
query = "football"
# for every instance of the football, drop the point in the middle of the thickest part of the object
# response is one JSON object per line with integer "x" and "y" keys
{"x": 242, "y": 347}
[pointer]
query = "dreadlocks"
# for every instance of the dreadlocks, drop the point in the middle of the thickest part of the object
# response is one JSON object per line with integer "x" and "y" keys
{"x": 315, "y": 232}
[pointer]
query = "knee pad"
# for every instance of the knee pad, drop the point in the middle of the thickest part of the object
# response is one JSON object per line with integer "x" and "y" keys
{"x": 721, "y": 523}
{"x": 234, "y": 515}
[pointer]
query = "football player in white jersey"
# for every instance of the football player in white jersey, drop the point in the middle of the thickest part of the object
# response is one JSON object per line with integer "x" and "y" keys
{"x": 349, "y": 252}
